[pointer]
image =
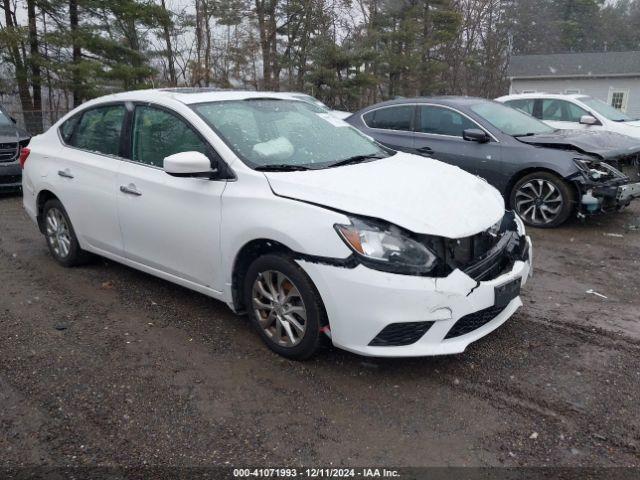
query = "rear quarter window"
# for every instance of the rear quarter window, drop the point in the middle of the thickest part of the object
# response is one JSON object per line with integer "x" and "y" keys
{"x": 67, "y": 128}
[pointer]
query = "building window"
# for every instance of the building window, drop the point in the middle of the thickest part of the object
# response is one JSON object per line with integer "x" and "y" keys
{"x": 618, "y": 99}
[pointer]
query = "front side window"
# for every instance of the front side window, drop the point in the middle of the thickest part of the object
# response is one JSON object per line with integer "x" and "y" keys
{"x": 443, "y": 121}
{"x": 510, "y": 121}
{"x": 524, "y": 104}
{"x": 561, "y": 111}
{"x": 158, "y": 134}
{"x": 98, "y": 130}
{"x": 270, "y": 132}
{"x": 391, "y": 118}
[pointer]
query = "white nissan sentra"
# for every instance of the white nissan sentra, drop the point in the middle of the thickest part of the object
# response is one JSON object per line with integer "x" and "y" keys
{"x": 283, "y": 212}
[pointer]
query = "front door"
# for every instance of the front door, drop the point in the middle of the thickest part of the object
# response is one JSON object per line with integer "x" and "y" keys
{"x": 171, "y": 224}
{"x": 563, "y": 115}
{"x": 439, "y": 135}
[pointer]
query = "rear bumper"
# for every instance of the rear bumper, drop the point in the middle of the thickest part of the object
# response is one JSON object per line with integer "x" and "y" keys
{"x": 361, "y": 302}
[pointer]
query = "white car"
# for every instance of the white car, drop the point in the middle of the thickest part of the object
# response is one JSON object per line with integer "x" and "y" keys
{"x": 574, "y": 112}
{"x": 282, "y": 211}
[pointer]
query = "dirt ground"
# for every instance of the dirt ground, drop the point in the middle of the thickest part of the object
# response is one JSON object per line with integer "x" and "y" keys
{"x": 103, "y": 365}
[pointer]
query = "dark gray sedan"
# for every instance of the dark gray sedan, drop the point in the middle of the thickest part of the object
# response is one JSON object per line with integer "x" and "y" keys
{"x": 545, "y": 175}
{"x": 12, "y": 140}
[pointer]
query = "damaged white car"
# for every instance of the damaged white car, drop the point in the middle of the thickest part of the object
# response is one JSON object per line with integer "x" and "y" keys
{"x": 283, "y": 212}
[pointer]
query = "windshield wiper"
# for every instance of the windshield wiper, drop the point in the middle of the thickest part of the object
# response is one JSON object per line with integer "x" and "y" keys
{"x": 530, "y": 134}
{"x": 283, "y": 167}
{"x": 356, "y": 159}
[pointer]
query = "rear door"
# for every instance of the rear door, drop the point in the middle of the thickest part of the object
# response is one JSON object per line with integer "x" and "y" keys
{"x": 170, "y": 224}
{"x": 84, "y": 174}
{"x": 439, "y": 135}
{"x": 392, "y": 126}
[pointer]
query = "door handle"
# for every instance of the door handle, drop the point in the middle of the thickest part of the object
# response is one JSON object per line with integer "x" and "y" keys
{"x": 65, "y": 173}
{"x": 425, "y": 150}
{"x": 130, "y": 190}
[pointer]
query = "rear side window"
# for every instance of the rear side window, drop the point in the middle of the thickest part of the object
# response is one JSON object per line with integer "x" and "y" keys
{"x": 158, "y": 134}
{"x": 525, "y": 105}
{"x": 98, "y": 130}
{"x": 443, "y": 121}
{"x": 391, "y": 118}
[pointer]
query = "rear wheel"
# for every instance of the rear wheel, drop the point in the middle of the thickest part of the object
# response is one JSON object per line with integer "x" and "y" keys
{"x": 60, "y": 235}
{"x": 284, "y": 306}
{"x": 542, "y": 200}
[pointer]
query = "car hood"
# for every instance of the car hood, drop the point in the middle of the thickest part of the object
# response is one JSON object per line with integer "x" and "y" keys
{"x": 606, "y": 145}
{"x": 420, "y": 194}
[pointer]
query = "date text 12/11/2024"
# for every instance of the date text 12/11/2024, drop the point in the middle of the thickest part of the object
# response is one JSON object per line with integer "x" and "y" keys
{"x": 315, "y": 473}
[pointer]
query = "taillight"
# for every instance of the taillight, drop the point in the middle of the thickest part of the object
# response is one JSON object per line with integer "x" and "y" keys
{"x": 24, "y": 153}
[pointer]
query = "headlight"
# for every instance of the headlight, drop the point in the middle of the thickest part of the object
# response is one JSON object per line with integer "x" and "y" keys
{"x": 595, "y": 170}
{"x": 386, "y": 247}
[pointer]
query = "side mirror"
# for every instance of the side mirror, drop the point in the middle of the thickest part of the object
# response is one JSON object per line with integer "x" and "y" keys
{"x": 13, "y": 119}
{"x": 589, "y": 120}
{"x": 475, "y": 135}
{"x": 188, "y": 164}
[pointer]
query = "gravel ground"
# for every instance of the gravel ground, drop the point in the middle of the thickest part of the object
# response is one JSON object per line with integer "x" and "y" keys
{"x": 103, "y": 365}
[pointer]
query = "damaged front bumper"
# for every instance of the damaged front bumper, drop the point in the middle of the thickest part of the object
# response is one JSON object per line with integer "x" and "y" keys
{"x": 609, "y": 197}
{"x": 383, "y": 314}
{"x": 612, "y": 190}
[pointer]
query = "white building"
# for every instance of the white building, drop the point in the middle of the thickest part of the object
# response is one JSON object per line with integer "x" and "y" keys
{"x": 613, "y": 77}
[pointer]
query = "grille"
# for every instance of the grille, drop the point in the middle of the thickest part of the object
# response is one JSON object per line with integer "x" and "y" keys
{"x": 465, "y": 250}
{"x": 398, "y": 334}
{"x": 8, "y": 152}
{"x": 8, "y": 179}
{"x": 473, "y": 321}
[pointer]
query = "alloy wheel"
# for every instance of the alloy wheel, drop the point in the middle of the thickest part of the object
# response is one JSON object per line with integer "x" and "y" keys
{"x": 539, "y": 201}
{"x": 279, "y": 308}
{"x": 58, "y": 232}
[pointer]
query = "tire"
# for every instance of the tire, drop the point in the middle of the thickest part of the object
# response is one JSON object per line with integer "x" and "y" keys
{"x": 278, "y": 319}
{"x": 60, "y": 235}
{"x": 542, "y": 200}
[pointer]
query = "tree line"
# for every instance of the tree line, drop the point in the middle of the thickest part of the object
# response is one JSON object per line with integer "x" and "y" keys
{"x": 348, "y": 53}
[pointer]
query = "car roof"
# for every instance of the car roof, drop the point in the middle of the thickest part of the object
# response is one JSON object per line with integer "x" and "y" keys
{"x": 440, "y": 100}
{"x": 562, "y": 96}
{"x": 190, "y": 95}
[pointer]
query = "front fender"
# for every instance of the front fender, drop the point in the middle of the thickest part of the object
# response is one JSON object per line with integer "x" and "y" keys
{"x": 251, "y": 211}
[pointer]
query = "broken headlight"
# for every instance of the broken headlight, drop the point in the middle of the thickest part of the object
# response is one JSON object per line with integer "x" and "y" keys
{"x": 386, "y": 247}
{"x": 596, "y": 170}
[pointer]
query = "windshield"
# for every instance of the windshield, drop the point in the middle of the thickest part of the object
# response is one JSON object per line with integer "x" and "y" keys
{"x": 266, "y": 132}
{"x": 509, "y": 120}
{"x": 606, "y": 110}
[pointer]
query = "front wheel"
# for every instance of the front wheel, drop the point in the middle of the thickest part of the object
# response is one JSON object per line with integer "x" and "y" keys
{"x": 542, "y": 200}
{"x": 284, "y": 306}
